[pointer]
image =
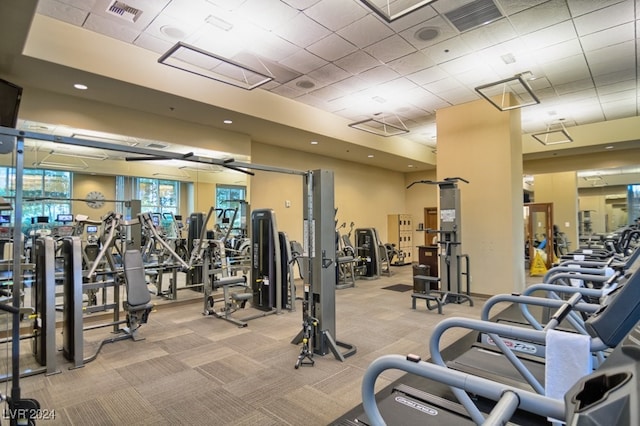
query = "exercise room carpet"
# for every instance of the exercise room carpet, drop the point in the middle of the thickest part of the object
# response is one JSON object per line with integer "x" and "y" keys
{"x": 197, "y": 369}
{"x": 399, "y": 287}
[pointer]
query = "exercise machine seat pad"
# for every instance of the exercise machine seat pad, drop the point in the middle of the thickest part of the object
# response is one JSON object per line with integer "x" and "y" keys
{"x": 138, "y": 296}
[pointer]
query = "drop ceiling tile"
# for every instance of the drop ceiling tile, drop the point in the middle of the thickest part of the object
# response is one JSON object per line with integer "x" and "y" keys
{"x": 549, "y": 36}
{"x": 581, "y": 7}
{"x": 609, "y": 37}
{"x": 336, "y": 14}
{"x": 271, "y": 46}
{"x": 585, "y": 85}
{"x": 489, "y": 35}
{"x": 357, "y": 62}
{"x": 195, "y": 13}
{"x": 302, "y": 30}
{"x": 541, "y": 16}
{"x": 110, "y": 29}
{"x": 511, "y": 7}
{"x": 301, "y": 4}
{"x": 170, "y": 29}
{"x": 619, "y": 109}
{"x": 614, "y": 58}
{"x": 331, "y": 48}
{"x": 303, "y": 61}
{"x": 329, "y": 74}
{"x": 446, "y": 84}
{"x": 378, "y": 75}
{"x": 448, "y": 50}
{"x": 428, "y": 75}
{"x": 390, "y": 48}
{"x": 313, "y": 101}
{"x": 605, "y": 18}
{"x": 287, "y": 91}
{"x": 435, "y": 26}
{"x": 396, "y": 88}
{"x": 366, "y": 31}
{"x": 154, "y": 44}
{"x": 622, "y": 76}
{"x": 70, "y": 14}
{"x": 463, "y": 64}
{"x": 150, "y": 9}
{"x": 567, "y": 70}
{"x": 328, "y": 93}
{"x": 618, "y": 96}
{"x": 267, "y": 14}
{"x": 557, "y": 51}
{"x": 411, "y": 63}
{"x": 85, "y": 5}
{"x": 422, "y": 98}
{"x": 482, "y": 74}
{"x": 352, "y": 84}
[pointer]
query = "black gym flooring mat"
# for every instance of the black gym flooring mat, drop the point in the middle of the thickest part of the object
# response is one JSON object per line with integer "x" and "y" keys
{"x": 399, "y": 287}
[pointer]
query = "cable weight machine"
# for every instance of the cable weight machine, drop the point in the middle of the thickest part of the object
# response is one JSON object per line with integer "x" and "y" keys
{"x": 449, "y": 240}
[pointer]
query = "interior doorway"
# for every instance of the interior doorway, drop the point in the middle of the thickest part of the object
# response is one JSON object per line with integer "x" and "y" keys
{"x": 430, "y": 222}
{"x": 538, "y": 218}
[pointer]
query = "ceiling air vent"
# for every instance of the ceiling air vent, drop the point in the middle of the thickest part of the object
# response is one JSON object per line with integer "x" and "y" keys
{"x": 123, "y": 11}
{"x": 156, "y": 145}
{"x": 474, "y": 14}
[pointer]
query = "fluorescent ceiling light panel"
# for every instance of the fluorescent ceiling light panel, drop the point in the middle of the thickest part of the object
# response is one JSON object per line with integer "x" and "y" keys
{"x": 390, "y": 10}
{"x": 206, "y": 64}
{"x": 553, "y": 137}
{"x": 380, "y": 127}
{"x": 498, "y": 93}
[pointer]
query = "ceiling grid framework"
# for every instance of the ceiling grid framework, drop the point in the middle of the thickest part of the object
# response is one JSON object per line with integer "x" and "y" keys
{"x": 340, "y": 56}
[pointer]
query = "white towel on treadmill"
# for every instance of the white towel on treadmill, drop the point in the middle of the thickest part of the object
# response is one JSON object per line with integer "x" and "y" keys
{"x": 568, "y": 359}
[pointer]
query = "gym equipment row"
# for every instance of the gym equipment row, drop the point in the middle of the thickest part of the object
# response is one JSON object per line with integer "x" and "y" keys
{"x": 595, "y": 395}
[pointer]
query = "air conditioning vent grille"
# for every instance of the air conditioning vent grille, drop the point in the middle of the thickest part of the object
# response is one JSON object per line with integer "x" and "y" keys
{"x": 474, "y": 14}
{"x": 122, "y": 10}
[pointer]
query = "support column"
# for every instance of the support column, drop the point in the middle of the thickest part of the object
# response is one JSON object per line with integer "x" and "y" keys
{"x": 483, "y": 145}
{"x": 561, "y": 189}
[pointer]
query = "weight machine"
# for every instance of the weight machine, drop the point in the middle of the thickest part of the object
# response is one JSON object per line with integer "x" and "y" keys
{"x": 449, "y": 239}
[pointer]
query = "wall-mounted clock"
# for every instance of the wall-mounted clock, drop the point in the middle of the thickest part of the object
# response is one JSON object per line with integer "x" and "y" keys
{"x": 95, "y": 199}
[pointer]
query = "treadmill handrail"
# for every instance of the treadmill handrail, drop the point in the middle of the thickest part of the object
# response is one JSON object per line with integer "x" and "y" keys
{"x": 528, "y": 401}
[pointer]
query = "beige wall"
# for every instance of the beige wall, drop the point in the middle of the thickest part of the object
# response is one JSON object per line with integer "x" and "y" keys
{"x": 483, "y": 145}
{"x": 364, "y": 195}
{"x": 561, "y": 189}
{"x": 418, "y": 197}
{"x": 83, "y": 184}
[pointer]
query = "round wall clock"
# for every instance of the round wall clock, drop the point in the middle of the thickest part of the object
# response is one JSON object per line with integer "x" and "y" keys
{"x": 95, "y": 199}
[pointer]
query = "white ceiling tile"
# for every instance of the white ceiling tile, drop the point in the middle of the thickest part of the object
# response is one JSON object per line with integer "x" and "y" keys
{"x": 489, "y": 35}
{"x": 585, "y": 85}
{"x": 110, "y": 29}
{"x": 170, "y": 29}
{"x": 617, "y": 96}
{"x": 352, "y": 84}
{"x": 614, "y": 58}
{"x": 269, "y": 45}
{"x": 302, "y": 30}
{"x": 617, "y": 77}
{"x": 541, "y": 16}
{"x": 463, "y": 64}
{"x": 328, "y": 93}
{"x": 303, "y": 61}
{"x": 366, "y": 31}
{"x": 549, "y": 36}
{"x": 329, "y": 74}
{"x": 511, "y": 7}
{"x": 458, "y": 95}
{"x": 313, "y": 101}
{"x": 605, "y": 18}
{"x": 566, "y": 70}
{"x": 446, "y": 84}
{"x": 480, "y": 75}
{"x": 301, "y": 4}
{"x": 428, "y": 75}
{"x": 447, "y": 50}
{"x": 335, "y": 14}
{"x": 357, "y": 62}
{"x": 390, "y": 48}
{"x": 557, "y": 51}
{"x": 64, "y": 12}
{"x": 267, "y": 14}
{"x": 85, "y": 5}
{"x": 609, "y": 37}
{"x": 422, "y": 98}
{"x": 332, "y": 48}
{"x": 287, "y": 91}
{"x": 150, "y": 9}
{"x": 619, "y": 109}
{"x": 411, "y": 63}
{"x": 378, "y": 75}
{"x": 580, "y": 7}
{"x": 195, "y": 12}
{"x": 154, "y": 44}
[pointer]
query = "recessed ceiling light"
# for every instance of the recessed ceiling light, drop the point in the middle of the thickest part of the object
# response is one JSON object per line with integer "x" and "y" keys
{"x": 80, "y": 86}
{"x": 228, "y": 121}
{"x": 608, "y": 147}
{"x": 172, "y": 32}
{"x": 314, "y": 142}
{"x": 410, "y": 165}
{"x": 370, "y": 156}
